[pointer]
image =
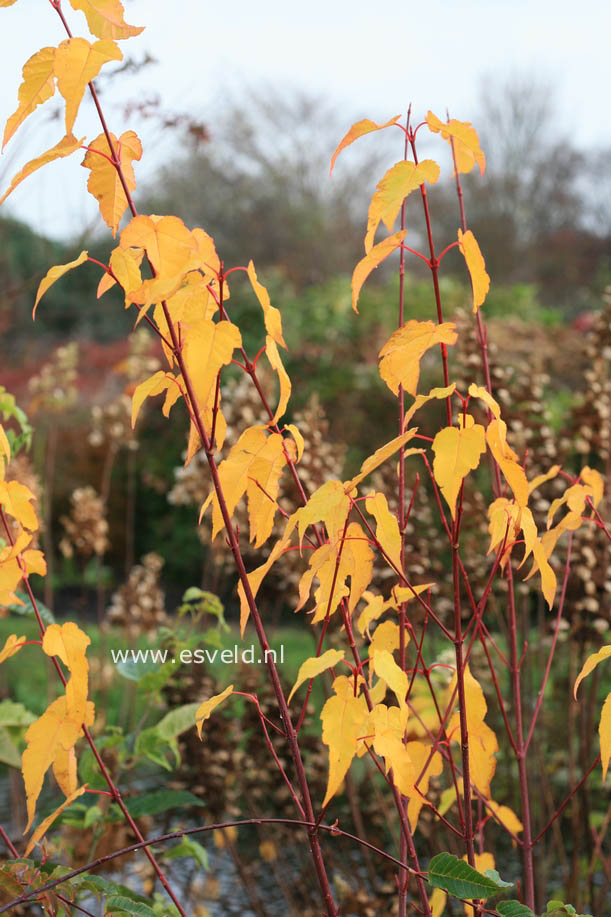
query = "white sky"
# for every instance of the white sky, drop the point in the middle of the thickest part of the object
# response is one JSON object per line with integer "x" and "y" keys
{"x": 373, "y": 59}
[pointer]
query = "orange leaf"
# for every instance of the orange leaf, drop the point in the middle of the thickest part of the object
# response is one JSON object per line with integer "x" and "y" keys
{"x": 54, "y": 274}
{"x": 400, "y": 356}
{"x": 104, "y": 182}
{"x": 480, "y": 281}
{"x": 391, "y": 191}
{"x": 466, "y": 142}
{"x": 604, "y": 731}
{"x": 65, "y": 147}
{"x": 358, "y": 130}
{"x": 496, "y": 437}
{"x": 105, "y": 18}
{"x": 77, "y": 62}
{"x": 38, "y": 85}
{"x": 207, "y": 348}
{"x": 372, "y": 260}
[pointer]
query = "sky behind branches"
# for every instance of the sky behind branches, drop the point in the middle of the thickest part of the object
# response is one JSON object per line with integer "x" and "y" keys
{"x": 370, "y": 62}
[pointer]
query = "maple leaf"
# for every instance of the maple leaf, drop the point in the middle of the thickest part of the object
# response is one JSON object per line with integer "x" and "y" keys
{"x": 372, "y": 260}
{"x": 54, "y": 274}
{"x": 343, "y": 719}
{"x": 457, "y": 452}
{"x": 70, "y": 643}
{"x": 359, "y": 130}
{"x": 16, "y": 498}
{"x": 105, "y": 18}
{"x": 381, "y": 455}
{"x": 11, "y": 646}
{"x": 256, "y": 461}
{"x": 401, "y": 354}
{"x": 420, "y": 400}
{"x": 480, "y": 281}
{"x": 171, "y": 248}
{"x": 207, "y": 348}
{"x": 104, "y": 182}
{"x": 272, "y": 354}
{"x": 483, "y": 743}
{"x": 156, "y": 384}
{"x": 332, "y": 564}
{"x": 387, "y": 669}
{"x": 507, "y": 460}
{"x": 77, "y": 62}
{"x": 46, "y": 823}
{"x": 65, "y": 147}
{"x": 387, "y": 527}
{"x": 64, "y": 771}
{"x": 314, "y": 666}
{"x": 125, "y": 265}
{"x": 391, "y": 191}
{"x": 465, "y": 141}
{"x": 38, "y": 85}
{"x": 271, "y": 315}
{"x": 386, "y": 636}
{"x": 204, "y": 710}
{"x": 50, "y": 736}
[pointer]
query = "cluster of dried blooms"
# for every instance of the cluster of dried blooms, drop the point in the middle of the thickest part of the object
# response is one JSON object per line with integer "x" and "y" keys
{"x": 138, "y": 606}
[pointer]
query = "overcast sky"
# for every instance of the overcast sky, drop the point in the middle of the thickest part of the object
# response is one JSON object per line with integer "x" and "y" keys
{"x": 371, "y": 60}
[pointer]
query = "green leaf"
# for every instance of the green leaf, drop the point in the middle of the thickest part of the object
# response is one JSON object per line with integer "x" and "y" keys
{"x": 493, "y": 874}
{"x": 101, "y": 886}
{"x": 27, "y": 608}
{"x": 13, "y": 714}
{"x": 189, "y": 848}
{"x": 176, "y": 722}
{"x": 514, "y": 909}
{"x": 558, "y": 907}
{"x": 161, "y": 801}
{"x": 9, "y": 753}
{"x": 458, "y": 878}
{"x": 136, "y": 670}
{"x": 122, "y": 905}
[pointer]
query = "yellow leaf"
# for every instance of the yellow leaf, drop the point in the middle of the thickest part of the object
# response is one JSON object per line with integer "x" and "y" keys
{"x": 387, "y": 669}
{"x": 380, "y": 455}
{"x": 65, "y": 147}
{"x": 343, "y": 718}
{"x": 48, "y": 821}
{"x": 478, "y": 391}
{"x": 171, "y": 248}
{"x": 70, "y": 643}
{"x": 595, "y": 483}
{"x": 387, "y": 527}
{"x": 385, "y": 637}
{"x": 256, "y": 457}
{"x": 422, "y": 399}
{"x": 38, "y": 85}
{"x": 358, "y": 130}
{"x": 372, "y": 260}
{"x": 437, "y": 902}
{"x": 299, "y": 440}
{"x": 332, "y": 564}
{"x": 590, "y": 664}
{"x": 50, "y": 735}
{"x": 105, "y": 18}
{"x": 271, "y": 315}
{"x": 480, "y": 281}
{"x": 541, "y": 552}
{"x": 542, "y": 478}
{"x": 506, "y": 815}
{"x": 314, "y": 666}
{"x": 34, "y": 562}
{"x": 419, "y": 753}
{"x": 457, "y": 452}
{"x": 125, "y": 265}
{"x": 483, "y": 743}
{"x": 104, "y": 182}
{"x": 466, "y": 142}
{"x": 604, "y": 731}
{"x": 207, "y": 348}
{"x": 156, "y": 384}
{"x": 64, "y": 771}
{"x": 375, "y": 608}
{"x": 391, "y": 191}
{"x": 268, "y": 851}
{"x": 329, "y": 504}
{"x": 11, "y": 646}
{"x": 507, "y": 460}
{"x": 54, "y": 274}
{"x": 16, "y": 498}
{"x": 401, "y": 354}
{"x": 204, "y": 710}
{"x": 7, "y": 2}
{"x": 77, "y": 62}
{"x": 5, "y": 447}
{"x": 271, "y": 352}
